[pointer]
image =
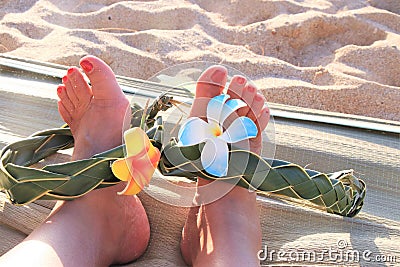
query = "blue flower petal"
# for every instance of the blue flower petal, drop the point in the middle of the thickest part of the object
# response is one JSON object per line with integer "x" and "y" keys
{"x": 214, "y": 157}
{"x": 242, "y": 128}
{"x": 215, "y": 106}
{"x": 194, "y": 131}
{"x": 230, "y": 107}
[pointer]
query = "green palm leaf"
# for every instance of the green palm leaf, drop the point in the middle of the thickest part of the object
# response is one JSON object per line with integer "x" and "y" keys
{"x": 340, "y": 192}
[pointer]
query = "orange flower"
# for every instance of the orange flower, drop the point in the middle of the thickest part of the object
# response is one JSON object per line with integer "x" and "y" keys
{"x": 139, "y": 165}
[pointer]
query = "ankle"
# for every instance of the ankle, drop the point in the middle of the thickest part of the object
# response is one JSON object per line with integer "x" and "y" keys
{"x": 119, "y": 227}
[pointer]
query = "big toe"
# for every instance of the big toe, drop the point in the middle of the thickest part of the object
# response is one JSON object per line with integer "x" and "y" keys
{"x": 102, "y": 78}
{"x": 210, "y": 83}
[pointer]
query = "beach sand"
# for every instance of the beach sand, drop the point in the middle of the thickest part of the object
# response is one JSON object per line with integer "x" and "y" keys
{"x": 338, "y": 55}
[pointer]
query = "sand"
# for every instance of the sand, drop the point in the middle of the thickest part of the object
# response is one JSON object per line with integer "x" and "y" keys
{"x": 338, "y": 55}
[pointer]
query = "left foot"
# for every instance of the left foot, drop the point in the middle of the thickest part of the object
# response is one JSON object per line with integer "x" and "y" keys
{"x": 96, "y": 114}
{"x": 102, "y": 227}
{"x": 226, "y": 232}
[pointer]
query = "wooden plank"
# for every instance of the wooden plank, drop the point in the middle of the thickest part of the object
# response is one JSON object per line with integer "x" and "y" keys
{"x": 53, "y": 72}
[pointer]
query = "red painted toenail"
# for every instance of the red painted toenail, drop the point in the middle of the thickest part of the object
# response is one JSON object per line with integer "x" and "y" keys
{"x": 70, "y": 71}
{"x": 259, "y": 98}
{"x": 86, "y": 66}
{"x": 64, "y": 79}
{"x": 240, "y": 80}
{"x": 251, "y": 89}
{"x": 59, "y": 89}
{"x": 218, "y": 76}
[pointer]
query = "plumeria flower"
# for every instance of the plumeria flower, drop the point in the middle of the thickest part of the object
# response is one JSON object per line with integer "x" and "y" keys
{"x": 139, "y": 165}
{"x": 215, "y": 154}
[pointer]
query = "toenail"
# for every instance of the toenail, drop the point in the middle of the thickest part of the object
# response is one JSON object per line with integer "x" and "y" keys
{"x": 218, "y": 76}
{"x": 259, "y": 98}
{"x": 251, "y": 89}
{"x": 59, "y": 89}
{"x": 240, "y": 80}
{"x": 86, "y": 65}
{"x": 70, "y": 71}
{"x": 64, "y": 79}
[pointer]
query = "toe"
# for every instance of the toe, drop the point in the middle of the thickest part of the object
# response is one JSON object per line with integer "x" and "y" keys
{"x": 263, "y": 118}
{"x": 102, "y": 78}
{"x": 79, "y": 86}
{"x": 236, "y": 86}
{"x": 66, "y": 101}
{"x": 211, "y": 83}
{"x": 69, "y": 89}
{"x": 248, "y": 94}
{"x": 65, "y": 115}
{"x": 256, "y": 106}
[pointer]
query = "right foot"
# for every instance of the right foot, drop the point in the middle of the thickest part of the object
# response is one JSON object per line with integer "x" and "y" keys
{"x": 96, "y": 115}
{"x": 226, "y": 232}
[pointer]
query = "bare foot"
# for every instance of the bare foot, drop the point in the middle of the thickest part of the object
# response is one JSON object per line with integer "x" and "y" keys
{"x": 226, "y": 232}
{"x": 96, "y": 117}
{"x": 100, "y": 228}
{"x": 95, "y": 114}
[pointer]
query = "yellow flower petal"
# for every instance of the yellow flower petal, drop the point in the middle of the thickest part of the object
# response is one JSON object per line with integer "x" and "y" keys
{"x": 132, "y": 188}
{"x": 139, "y": 166}
{"x": 142, "y": 168}
{"x": 136, "y": 141}
{"x": 121, "y": 170}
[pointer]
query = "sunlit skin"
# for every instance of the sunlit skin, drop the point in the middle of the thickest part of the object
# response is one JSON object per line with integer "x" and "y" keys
{"x": 84, "y": 232}
{"x": 224, "y": 233}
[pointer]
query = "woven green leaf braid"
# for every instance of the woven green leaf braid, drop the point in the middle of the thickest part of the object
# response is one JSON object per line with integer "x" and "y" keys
{"x": 68, "y": 180}
{"x": 340, "y": 192}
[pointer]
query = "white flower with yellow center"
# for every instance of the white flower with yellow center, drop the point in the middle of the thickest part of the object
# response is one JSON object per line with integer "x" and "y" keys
{"x": 215, "y": 153}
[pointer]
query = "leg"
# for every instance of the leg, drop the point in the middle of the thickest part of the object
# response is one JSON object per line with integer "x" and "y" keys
{"x": 100, "y": 228}
{"x": 226, "y": 232}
